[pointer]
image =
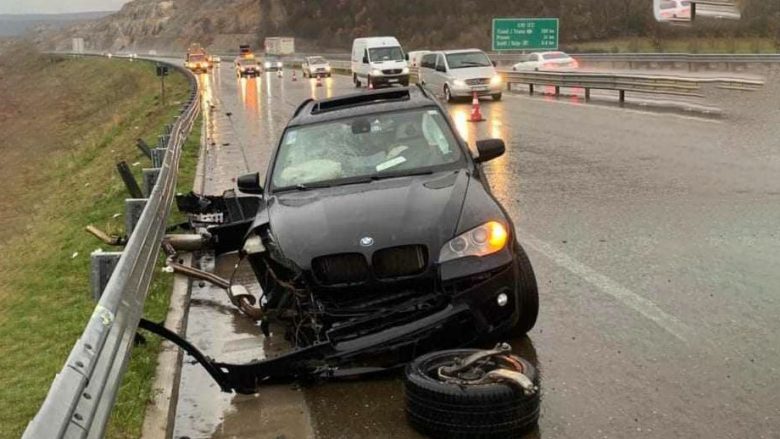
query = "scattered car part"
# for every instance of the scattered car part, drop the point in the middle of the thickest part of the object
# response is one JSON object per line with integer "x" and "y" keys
{"x": 105, "y": 237}
{"x": 472, "y": 393}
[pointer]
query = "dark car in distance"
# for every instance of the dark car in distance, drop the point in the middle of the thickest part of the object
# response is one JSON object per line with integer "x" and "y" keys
{"x": 376, "y": 226}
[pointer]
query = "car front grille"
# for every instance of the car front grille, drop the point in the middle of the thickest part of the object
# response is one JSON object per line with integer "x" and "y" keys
{"x": 345, "y": 268}
{"x": 391, "y": 71}
{"x": 387, "y": 263}
{"x": 401, "y": 261}
{"x": 478, "y": 81}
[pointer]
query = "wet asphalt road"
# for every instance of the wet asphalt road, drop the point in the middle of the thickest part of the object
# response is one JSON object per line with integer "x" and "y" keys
{"x": 654, "y": 236}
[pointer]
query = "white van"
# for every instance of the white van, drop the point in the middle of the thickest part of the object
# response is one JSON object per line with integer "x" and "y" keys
{"x": 378, "y": 61}
{"x": 460, "y": 73}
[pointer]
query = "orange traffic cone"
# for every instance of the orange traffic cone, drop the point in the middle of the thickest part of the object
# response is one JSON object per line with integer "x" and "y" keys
{"x": 476, "y": 115}
{"x": 319, "y": 81}
{"x": 293, "y": 77}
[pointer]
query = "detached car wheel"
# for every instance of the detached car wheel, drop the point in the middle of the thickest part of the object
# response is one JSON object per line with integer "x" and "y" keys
{"x": 469, "y": 403}
{"x": 527, "y": 293}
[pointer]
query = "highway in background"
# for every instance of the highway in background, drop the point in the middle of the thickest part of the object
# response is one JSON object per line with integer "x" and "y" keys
{"x": 654, "y": 237}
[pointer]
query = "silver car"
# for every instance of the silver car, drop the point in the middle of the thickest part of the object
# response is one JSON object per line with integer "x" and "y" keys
{"x": 460, "y": 73}
{"x": 315, "y": 66}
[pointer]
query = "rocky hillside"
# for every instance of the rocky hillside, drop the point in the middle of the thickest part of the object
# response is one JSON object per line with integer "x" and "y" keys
{"x": 165, "y": 25}
{"x": 332, "y": 24}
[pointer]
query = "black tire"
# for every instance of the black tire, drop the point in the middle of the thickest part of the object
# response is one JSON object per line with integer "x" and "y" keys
{"x": 497, "y": 97}
{"x": 329, "y": 75}
{"x": 448, "y": 410}
{"x": 447, "y": 94}
{"x": 527, "y": 293}
{"x": 356, "y": 80}
{"x": 369, "y": 84}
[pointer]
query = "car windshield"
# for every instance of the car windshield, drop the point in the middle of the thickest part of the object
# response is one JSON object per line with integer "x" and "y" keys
{"x": 379, "y": 54}
{"x": 468, "y": 59}
{"x": 555, "y": 55}
{"x": 317, "y": 60}
{"x": 398, "y": 143}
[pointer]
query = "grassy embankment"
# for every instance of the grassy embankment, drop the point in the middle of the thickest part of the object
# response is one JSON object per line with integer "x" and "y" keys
{"x": 65, "y": 124}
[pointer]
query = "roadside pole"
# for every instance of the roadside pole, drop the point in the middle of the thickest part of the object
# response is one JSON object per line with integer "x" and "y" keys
{"x": 162, "y": 72}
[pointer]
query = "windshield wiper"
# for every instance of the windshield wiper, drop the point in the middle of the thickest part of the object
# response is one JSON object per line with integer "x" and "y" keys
{"x": 399, "y": 174}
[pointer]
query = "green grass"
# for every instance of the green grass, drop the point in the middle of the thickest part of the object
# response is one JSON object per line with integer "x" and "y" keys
{"x": 44, "y": 282}
{"x": 677, "y": 45}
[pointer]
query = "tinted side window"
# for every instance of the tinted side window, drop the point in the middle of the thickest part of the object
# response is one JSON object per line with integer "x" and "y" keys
{"x": 440, "y": 60}
{"x": 428, "y": 61}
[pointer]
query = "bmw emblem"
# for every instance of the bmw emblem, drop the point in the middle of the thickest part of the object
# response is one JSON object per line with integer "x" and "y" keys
{"x": 366, "y": 241}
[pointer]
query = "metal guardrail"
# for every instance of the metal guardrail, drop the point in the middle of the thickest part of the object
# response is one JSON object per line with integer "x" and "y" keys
{"x": 82, "y": 395}
{"x": 655, "y": 84}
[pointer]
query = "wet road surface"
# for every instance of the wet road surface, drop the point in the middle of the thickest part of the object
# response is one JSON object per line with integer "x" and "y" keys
{"x": 654, "y": 237}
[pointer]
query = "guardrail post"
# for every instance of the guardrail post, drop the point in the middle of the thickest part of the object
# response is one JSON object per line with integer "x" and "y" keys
{"x": 127, "y": 177}
{"x": 158, "y": 155}
{"x": 162, "y": 141}
{"x": 557, "y": 90}
{"x": 102, "y": 265}
{"x": 587, "y": 94}
{"x": 143, "y": 147}
{"x": 530, "y": 89}
{"x": 622, "y": 96}
{"x": 150, "y": 179}
{"x": 133, "y": 209}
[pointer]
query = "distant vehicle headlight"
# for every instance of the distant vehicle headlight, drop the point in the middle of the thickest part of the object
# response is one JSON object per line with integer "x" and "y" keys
{"x": 459, "y": 83}
{"x": 327, "y": 68}
{"x": 496, "y": 80}
{"x": 479, "y": 241}
{"x": 267, "y": 64}
{"x": 405, "y": 71}
{"x": 279, "y": 64}
{"x": 376, "y": 72}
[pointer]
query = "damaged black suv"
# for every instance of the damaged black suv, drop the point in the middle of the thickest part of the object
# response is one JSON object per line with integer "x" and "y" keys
{"x": 375, "y": 238}
{"x": 375, "y": 215}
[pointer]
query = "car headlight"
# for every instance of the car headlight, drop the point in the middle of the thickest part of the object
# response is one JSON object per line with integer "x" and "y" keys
{"x": 327, "y": 68}
{"x": 376, "y": 72}
{"x": 486, "y": 239}
{"x": 267, "y": 65}
{"x": 279, "y": 64}
{"x": 405, "y": 71}
{"x": 459, "y": 83}
{"x": 496, "y": 80}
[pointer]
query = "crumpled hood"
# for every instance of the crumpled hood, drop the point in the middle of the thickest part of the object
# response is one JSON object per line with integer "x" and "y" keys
{"x": 409, "y": 210}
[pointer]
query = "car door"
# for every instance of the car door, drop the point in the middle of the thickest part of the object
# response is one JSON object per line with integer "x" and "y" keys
{"x": 440, "y": 73}
{"x": 427, "y": 65}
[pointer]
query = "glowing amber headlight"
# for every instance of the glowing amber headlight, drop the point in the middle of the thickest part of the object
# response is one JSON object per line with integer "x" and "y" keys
{"x": 495, "y": 80}
{"x": 486, "y": 239}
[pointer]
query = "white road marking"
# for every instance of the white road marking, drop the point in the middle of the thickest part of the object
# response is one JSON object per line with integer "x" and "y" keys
{"x": 643, "y": 306}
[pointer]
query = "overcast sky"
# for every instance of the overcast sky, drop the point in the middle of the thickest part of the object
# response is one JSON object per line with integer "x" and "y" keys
{"x": 57, "y": 6}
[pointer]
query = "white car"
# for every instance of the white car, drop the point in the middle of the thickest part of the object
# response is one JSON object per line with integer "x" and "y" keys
{"x": 546, "y": 61}
{"x": 314, "y": 66}
{"x": 674, "y": 10}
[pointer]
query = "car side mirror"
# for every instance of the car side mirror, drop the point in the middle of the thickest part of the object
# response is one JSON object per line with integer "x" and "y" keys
{"x": 406, "y": 56}
{"x": 489, "y": 149}
{"x": 441, "y": 69}
{"x": 250, "y": 184}
{"x": 494, "y": 63}
{"x": 365, "y": 60}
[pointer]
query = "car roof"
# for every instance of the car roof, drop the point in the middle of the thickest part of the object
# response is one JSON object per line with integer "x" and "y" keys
{"x": 368, "y": 102}
{"x": 447, "y": 52}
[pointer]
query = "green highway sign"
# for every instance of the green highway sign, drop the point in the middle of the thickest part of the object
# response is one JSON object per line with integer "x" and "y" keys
{"x": 525, "y": 34}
